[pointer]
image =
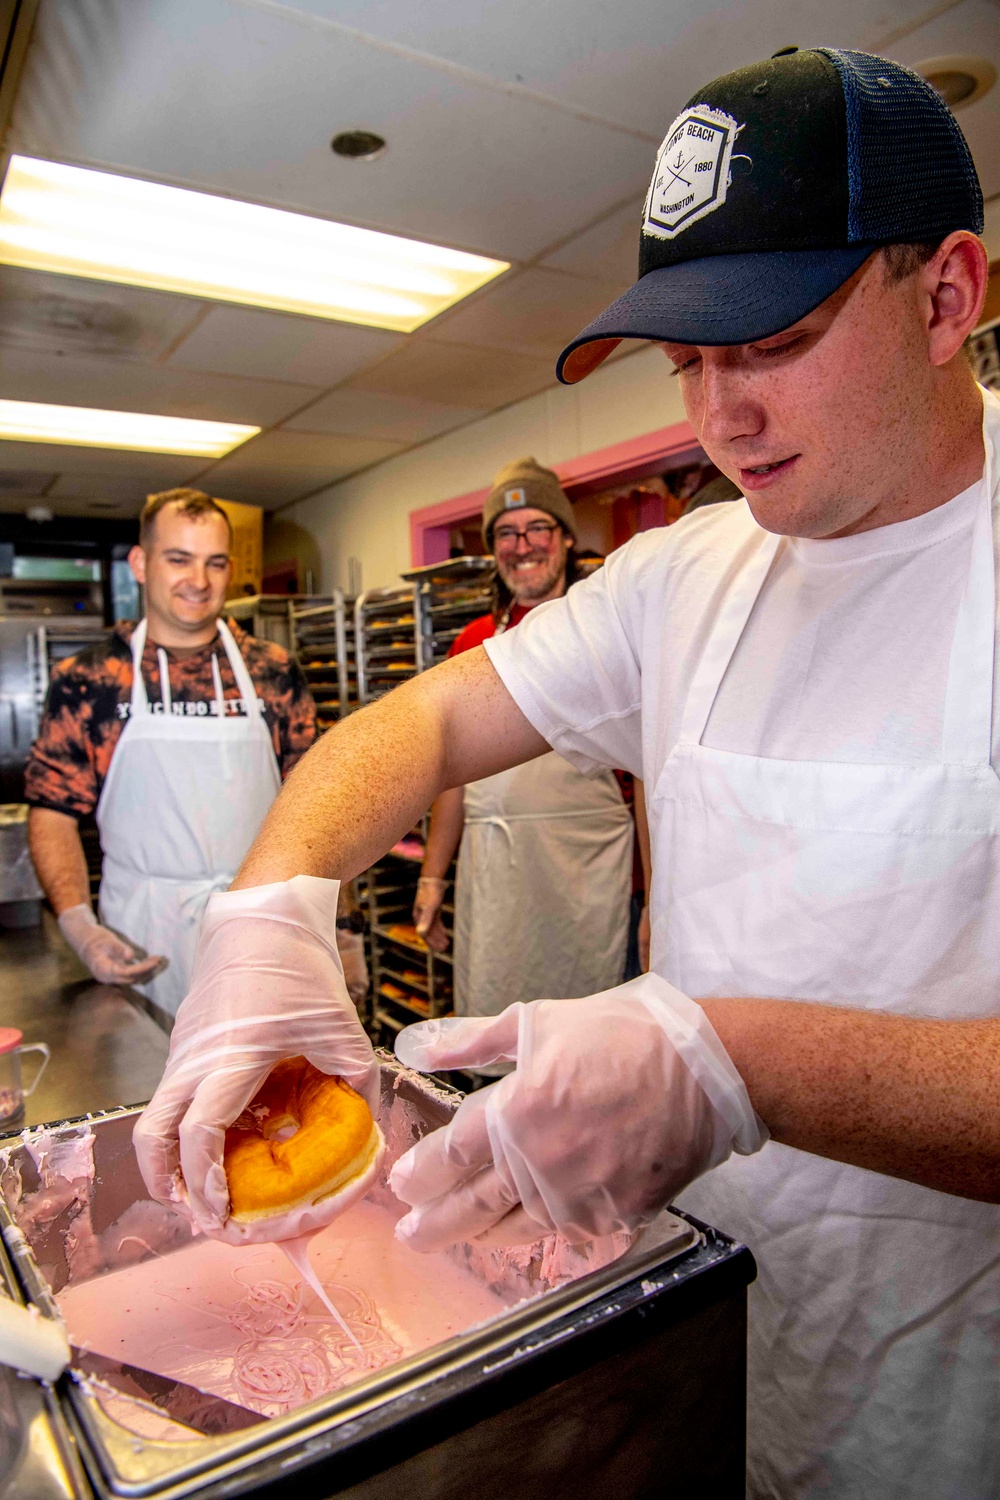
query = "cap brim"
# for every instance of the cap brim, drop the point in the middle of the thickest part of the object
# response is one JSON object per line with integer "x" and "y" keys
{"x": 716, "y": 299}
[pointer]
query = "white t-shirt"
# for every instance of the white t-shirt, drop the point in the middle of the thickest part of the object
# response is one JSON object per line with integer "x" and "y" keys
{"x": 844, "y": 657}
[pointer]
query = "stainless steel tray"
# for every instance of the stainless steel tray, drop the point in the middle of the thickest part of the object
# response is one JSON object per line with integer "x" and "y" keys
{"x": 120, "y": 1464}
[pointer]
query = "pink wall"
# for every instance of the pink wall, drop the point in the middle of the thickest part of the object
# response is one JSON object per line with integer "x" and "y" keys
{"x": 430, "y": 526}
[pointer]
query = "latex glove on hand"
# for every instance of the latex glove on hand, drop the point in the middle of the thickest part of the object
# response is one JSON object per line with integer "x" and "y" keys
{"x": 267, "y": 985}
{"x": 618, "y": 1101}
{"x": 110, "y": 959}
{"x": 427, "y": 912}
{"x": 351, "y": 948}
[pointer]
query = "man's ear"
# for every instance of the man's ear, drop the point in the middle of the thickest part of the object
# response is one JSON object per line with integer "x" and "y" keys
{"x": 955, "y": 281}
{"x": 137, "y": 562}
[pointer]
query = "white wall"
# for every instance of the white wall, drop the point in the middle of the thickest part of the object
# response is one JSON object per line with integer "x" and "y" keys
{"x": 368, "y": 516}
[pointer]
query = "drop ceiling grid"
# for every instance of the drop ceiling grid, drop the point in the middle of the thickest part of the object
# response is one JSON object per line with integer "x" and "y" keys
{"x": 541, "y": 125}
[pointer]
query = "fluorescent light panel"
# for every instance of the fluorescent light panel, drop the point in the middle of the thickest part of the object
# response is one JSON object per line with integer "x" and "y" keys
{"x": 86, "y": 427}
{"x": 96, "y": 224}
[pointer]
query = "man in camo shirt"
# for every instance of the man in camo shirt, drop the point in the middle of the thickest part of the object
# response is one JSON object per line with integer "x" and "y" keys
{"x": 178, "y": 762}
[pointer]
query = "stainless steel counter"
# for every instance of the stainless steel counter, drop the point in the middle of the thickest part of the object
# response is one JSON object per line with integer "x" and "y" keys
{"x": 107, "y": 1049}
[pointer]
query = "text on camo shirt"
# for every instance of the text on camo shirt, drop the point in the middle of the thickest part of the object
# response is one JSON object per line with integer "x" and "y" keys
{"x": 89, "y": 698}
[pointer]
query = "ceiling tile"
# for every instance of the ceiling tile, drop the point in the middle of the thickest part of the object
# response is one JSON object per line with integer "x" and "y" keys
{"x": 536, "y": 312}
{"x": 245, "y": 100}
{"x": 401, "y": 419}
{"x": 274, "y": 346}
{"x": 75, "y": 505}
{"x": 24, "y": 482}
{"x": 98, "y": 485}
{"x": 636, "y": 63}
{"x": 453, "y": 374}
{"x": 65, "y": 315}
{"x": 281, "y": 466}
{"x": 26, "y": 375}
{"x": 149, "y": 471}
{"x": 608, "y": 251}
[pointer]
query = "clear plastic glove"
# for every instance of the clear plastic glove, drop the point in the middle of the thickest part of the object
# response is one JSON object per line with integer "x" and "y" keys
{"x": 351, "y": 947}
{"x": 427, "y": 912}
{"x": 618, "y": 1102}
{"x": 109, "y": 958}
{"x": 267, "y": 984}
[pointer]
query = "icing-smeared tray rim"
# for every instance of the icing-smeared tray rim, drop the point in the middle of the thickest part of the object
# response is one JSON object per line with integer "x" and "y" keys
{"x": 123, "y": 1465}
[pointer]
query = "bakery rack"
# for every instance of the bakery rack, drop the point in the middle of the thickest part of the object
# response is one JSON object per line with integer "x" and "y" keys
{"x": 388, "y": 647}
{"x": 323, "y": 640}
{"x": 448, "y": 596}
{"x": 409, "y": 982}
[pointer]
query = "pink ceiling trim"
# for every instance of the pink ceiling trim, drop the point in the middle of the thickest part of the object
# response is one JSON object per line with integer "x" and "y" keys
{"x": 634, "y": 459}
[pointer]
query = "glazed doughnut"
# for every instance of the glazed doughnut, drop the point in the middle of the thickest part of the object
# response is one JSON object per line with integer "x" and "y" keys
{"x": 305, "y": 1138}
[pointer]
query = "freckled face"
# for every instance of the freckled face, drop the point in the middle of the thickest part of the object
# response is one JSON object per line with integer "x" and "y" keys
{"x": 814, "y": 423}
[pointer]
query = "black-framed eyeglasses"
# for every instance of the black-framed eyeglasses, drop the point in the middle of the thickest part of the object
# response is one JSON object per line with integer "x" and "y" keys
{"x": 538, "y": 533}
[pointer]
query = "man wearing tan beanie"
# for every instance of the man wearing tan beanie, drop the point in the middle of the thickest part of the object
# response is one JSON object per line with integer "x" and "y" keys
{"x": 531, "y": 920}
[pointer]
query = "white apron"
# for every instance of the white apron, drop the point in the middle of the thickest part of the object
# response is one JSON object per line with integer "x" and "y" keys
{"x": 182, "y": 802}
{"x": 875, "y": 1323}
{"x": 542, "y": 889}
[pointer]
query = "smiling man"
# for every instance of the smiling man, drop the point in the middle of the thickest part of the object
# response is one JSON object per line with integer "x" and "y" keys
{"x": 805, "y": 682}
{"x": 544, "y": 854}
{"x": 179, "y": 760}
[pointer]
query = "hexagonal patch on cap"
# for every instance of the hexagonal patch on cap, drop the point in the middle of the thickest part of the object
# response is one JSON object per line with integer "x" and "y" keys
{"x": 692, "y": 171}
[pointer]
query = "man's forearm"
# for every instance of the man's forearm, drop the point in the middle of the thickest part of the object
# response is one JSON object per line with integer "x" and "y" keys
{"x": 908, "y": 1097}
{"x": 58, "y": 857}
{"x": 369, "y": 779}
{"x": 445, "y": 832}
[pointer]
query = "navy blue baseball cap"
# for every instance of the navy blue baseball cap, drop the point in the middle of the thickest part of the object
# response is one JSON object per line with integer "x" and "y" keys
{"x": 772, "y": 186}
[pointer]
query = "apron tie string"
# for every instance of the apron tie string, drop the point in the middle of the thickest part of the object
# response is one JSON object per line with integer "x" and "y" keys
{"x": 161, "y": 659}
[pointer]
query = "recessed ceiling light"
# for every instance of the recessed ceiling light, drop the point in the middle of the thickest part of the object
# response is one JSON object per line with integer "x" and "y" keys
{"x": 87, "y": 427}
{"x": 109, "y": 228}
{"x": 960, "y": 78}
{"x": 359, "y": 145}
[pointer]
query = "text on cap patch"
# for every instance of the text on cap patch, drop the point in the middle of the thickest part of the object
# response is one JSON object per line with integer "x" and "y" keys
{"x": 692, "y": 171}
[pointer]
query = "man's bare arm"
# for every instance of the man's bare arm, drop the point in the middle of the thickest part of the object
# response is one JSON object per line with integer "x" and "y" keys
{"x": 368, "y": 780}
{"x": 444, "y": 833}
{"x": 911, "y": 1098}
{"x": 58, "y": 857}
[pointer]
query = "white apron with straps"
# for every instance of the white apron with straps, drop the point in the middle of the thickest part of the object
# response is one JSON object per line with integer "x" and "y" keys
{"x": 543, "y": 885}
{"x": 182, "y": 802}
{"x": 875, "y": 1322}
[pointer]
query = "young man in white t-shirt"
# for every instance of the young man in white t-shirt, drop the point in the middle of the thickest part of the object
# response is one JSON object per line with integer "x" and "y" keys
{"x": 805, "y": 682}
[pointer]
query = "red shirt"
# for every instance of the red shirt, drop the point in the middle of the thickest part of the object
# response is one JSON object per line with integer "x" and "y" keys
{"x": 480, "y": 630}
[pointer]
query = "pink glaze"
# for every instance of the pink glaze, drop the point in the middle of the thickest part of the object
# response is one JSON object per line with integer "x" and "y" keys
{"x": 297, "y": 1251}
{"x": 233, "y": 1321}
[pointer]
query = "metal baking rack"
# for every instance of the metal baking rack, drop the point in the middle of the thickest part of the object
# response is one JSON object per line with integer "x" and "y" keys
{"x": 387, "y": 642}
{"x": 409, "y": 981}
{"x": 415, "y": 624}
{"x": 323, "y": 640}
{"x": 449, "y": 595}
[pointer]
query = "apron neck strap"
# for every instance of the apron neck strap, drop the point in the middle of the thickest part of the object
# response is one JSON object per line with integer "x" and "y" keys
{"x": 139, "y": 700}
{"x": 240, "y": 671}
{"x": 718, "y": 653}
{"x": 967, "y": 730}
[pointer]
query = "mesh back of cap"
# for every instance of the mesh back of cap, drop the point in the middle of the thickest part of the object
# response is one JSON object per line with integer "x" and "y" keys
{"x": 910, "y": 171}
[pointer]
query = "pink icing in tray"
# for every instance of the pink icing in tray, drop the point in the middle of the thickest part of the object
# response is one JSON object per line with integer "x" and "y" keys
{"x": 239, "y": 1323}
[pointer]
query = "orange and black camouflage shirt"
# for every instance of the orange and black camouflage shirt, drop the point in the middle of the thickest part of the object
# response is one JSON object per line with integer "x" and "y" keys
{"x": 89, "y": 702}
